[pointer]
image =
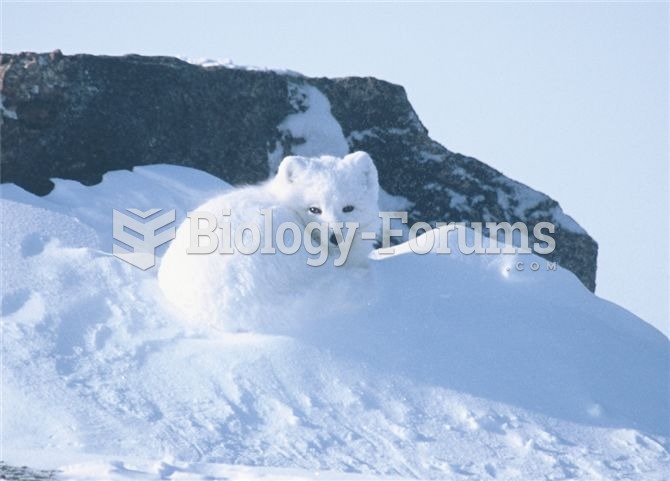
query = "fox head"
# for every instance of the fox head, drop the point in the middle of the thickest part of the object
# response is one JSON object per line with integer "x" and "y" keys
{"x": 331, "y": 190}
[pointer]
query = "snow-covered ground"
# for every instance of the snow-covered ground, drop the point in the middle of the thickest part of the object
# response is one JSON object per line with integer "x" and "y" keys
{"x": 460, "y": 367}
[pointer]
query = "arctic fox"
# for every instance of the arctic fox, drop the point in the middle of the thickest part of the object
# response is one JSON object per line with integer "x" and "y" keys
{"x": 269, "y": 292}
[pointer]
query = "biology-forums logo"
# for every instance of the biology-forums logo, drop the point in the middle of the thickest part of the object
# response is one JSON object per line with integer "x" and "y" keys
{"x": 137, "y": 237}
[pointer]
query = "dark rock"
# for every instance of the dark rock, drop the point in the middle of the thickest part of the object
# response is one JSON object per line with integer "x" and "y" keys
{"x": 77, "y": 117}
{"x": 24, "y": 473}
{"x": 81, "y": 116}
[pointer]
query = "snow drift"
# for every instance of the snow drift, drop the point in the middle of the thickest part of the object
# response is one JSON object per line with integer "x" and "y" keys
{"x": 461, "y": 367}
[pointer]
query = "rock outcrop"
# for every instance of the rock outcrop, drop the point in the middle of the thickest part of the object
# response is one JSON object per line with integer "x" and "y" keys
{"x": 77, "y": 117}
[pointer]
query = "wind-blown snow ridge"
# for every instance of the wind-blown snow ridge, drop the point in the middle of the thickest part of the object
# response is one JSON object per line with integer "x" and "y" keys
{"x": 461, "y": 368}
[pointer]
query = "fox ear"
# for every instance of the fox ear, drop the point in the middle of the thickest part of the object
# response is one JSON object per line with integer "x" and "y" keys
{"x": 362, "y": 163}
{"x": 289, "y": 168}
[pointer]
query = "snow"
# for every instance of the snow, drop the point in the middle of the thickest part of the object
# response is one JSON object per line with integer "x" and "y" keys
{"x": 528, "y": 199}
{"x": 313, "y": 123}
{"x": 456, "y": 199}
{"x": 459, "y": 367}
{"x": 5, "y": 112}
{"x": 430, "y": 157}
{"x": 228, "y": 63}
{"x": 123, "y": 471}
{"x": 359, "y": 135}
{"x": 393, "y": 203}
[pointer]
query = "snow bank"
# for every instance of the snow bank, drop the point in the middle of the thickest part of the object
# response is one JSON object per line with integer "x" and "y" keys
{"x": 462, "y": 367}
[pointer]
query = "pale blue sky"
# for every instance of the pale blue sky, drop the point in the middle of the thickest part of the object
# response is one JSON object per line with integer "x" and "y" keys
{"x": 571, "y": 99}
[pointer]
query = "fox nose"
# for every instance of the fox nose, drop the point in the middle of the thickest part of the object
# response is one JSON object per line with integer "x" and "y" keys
{"x": 333, "y": 239}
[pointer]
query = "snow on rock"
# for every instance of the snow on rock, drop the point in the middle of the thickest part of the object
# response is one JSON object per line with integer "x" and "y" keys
{"x": 461, "y": 368}
{"x": 311, "y": 130}
{"x": 5, "y": 112}
{"x": 228, "y": 63}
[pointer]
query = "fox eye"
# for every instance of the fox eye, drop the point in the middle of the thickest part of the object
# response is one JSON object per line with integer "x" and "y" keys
{"x": 315, "y": 210}
{"x": 348, "y": 208}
